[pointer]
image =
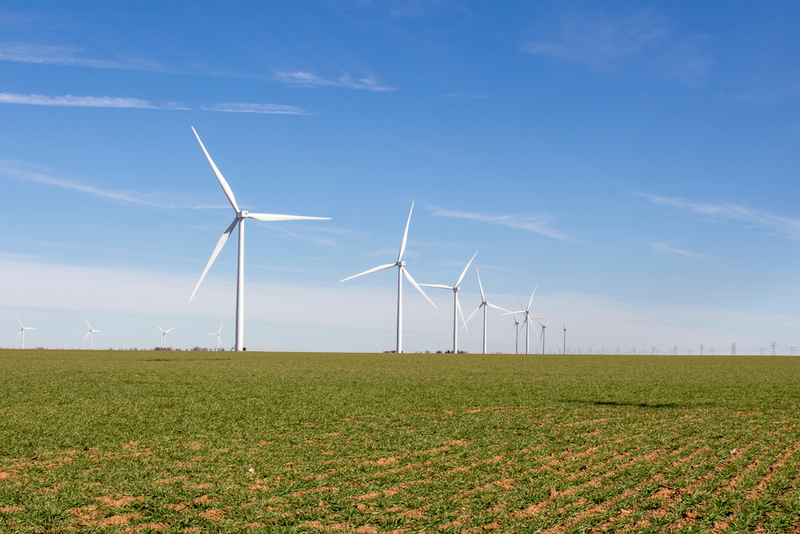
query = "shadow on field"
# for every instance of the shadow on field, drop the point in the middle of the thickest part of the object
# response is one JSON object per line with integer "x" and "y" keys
{"x": 629, "y": 404}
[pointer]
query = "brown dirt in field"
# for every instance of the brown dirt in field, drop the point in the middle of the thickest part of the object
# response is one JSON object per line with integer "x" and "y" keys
{"x": 759, "y": 486}
{"x": 116, "y": 519}
{"x": 9, "y": 508}
{"x": 118, "y": 501}
{"x": 460, "y": 442}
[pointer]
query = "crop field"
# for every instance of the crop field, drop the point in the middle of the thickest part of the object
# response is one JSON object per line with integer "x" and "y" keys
{"x": 287, "y": 442}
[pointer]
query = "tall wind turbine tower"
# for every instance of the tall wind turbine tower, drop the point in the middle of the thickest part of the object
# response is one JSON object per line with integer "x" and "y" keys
{"x": 528, "y": 319}
{"x": 543, "y": 327}
{"x": 241, "y": 215}
{"x": 565, "y": 335}
{"x": 22, "y": 332}
{"x": 456, "y": 305}
{"x": 164, "y": 336}
{"x": 401, "y": 271}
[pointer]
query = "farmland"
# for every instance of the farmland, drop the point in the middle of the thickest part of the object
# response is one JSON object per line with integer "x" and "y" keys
{"x": 290, "y": 442}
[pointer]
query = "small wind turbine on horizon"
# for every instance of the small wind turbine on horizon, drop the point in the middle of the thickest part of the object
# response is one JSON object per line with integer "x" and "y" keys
{"x": 401, "y": 271}
{"x": 543, "y": 327}
{"x": 164, "y": 336}
{"x": 515, "y": 327}
{"x": 241, "y": 215}
{"x": 528, "y": 319}
{"x": 485, "y": 305}
{"x": 566, "y": 334}
{"x": 456, "y": 304}
{"x": 89, "y": 334}
{"x": 217, "y": 334}
{"x": 22, "y": 332}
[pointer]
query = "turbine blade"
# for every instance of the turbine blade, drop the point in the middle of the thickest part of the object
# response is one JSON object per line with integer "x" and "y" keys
{"x": 219, "y": 246}
{"x": 170, "y": 330}
{"x": 20, "y": 323}
{"x": 461, "y": 313}
{"x": 87, "y": 324}
{"x": 405, "y": 234}
{"x": 532, "y": 294}
{"x": 483, "y": 299}
{"x": 87, "y": 335}
{"x": 513, "y": 312}
{"x": 460, "y": 278}
{"x": 225, "y": 187}
{"x": 18, "y": 334}
{"x": 440, "y": 286}
{"x": 373, "y": 270}
{"x": 96, "y": 331}
{"x": 220, "y": 328}
{"x": 413, "y": 283}
{"x": 275, "y": 217}
{"x": 159, "y": 328}
{"x": 512, "y": 329}
{"x": 473, "y": 313}
{"x": 496, "y": 307}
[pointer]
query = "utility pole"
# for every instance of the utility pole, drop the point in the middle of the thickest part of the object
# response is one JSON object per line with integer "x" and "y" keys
{"x": 733, "y": 349}
{"x": 773, "y": 348}
{"x": 701, "y": 349}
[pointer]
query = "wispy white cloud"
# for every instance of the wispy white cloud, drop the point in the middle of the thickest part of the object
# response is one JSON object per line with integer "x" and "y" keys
{"x": 258, "y": 108}
{"x": 27, "y": 172}
{"x": 786, "y": 226}
{"x": 537, "y": 224}
{"x": 604, "y": 43}
{"x": 309, "y": 79}
{"x": 661, "y": 247}
{"x": 466, "y": 95}
{"x": 71, "y": 56}
{"x": 86, "y": 101}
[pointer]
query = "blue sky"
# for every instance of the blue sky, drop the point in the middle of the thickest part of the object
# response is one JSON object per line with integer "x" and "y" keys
{"x": 636, "y": 161}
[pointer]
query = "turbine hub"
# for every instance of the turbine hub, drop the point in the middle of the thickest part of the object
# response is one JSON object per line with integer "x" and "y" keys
{"x": 243, "y": 214}
{"x": 401, "y": 264}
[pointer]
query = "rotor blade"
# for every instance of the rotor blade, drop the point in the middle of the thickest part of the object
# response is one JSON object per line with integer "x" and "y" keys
{"x": 483, "y": 299}
{"x": 159, "y": 328}
{"x": 225, "y": 187}
{"x": 87, "y": 335}
{"x": 220, "y": 328}
{"x": 170, "y": 330}
{"x": 513, "y": 312}
{"x": 405, "y": 235}
{"x": 87, "y": 324}
{"x": 532, "y": 294}
{"x": 460, "y": 278}
{"x": 440, "y": 286}
{"x": 496, "y": 307}
{"x": 275, "y": 217}
{"x": 96, "y": 331}
{"x": 29, "y": 328}
{"x": 18, "y": 334}
{"x": 413, "y": 283}
{"x": 512, "y": 329}
{"x": 473, "y": 313}
{"x": 219, "y": 246}
{"x": 373, "y": 270}
{"x": 458, "y": 305}
{"x": 20, "y": 323}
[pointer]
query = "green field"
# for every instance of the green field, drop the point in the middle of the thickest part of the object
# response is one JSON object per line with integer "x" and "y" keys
{"x": 255, "y": 442}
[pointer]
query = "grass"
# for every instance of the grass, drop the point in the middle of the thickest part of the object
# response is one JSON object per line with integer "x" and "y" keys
{"x": 153, "y": 442}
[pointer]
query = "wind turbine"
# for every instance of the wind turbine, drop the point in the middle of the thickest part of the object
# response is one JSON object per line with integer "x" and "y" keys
{"x": 484, "y": 304}
{"x": 164, "y": 336}
{"x": 543, "y": 326}
{"x": 217, "y": 334}
{"x": 89, "y": 334}
{"x": 22, "y": 332}
{"x": 515, "y": 327}
{"x": 528, "y": 319}
{"x": 241, "y": 215}
{"x": 565, "y": 334}
{"x": 401, "y": 271}
{"x": 456, "y": 304}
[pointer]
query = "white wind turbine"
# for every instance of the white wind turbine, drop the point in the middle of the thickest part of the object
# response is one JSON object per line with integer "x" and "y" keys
{"x": 543, "y": 327}
{"x": 241, "y": 215}
{"x": 164, "y": 336}
{"x": 217, "y": 334}
{"x": 22, "y": 332}
{"x": 566, "y": 334}
{"x": 401, "y": 271}
{"x": 528, "y": 319}
{"x": 89, "y": 334}
{"x": 516, "y": 328}
{"x": 456, "y": 304}
{"x": 484, "y": 304}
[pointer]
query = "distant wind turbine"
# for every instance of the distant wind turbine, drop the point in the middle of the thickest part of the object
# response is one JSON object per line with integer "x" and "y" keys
{"x": 22, "y": 332}
{"x": 566, "y": 334}
{"x": 401, "y": 271}
{"x": 543, "y": 327}
{"x": 485, "y": 305}
{"x": 241, "y": 215}
{"x": 217, "y": 334}
{"x": 164, "y": 336}
{"x": 514, "y": 328}
{"x": 528, "y": 321}
{"x": 456, "y": 305}
{"x": 89, "y": 334}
